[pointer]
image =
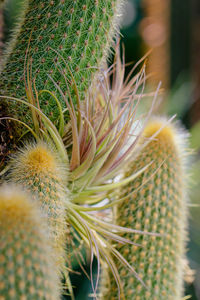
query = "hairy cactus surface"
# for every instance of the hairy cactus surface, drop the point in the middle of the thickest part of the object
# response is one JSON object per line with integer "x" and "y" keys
{"x": 155, "y": 203}
{"x": 38, "y": 170}
{"x": 81, "y": 31}
{"x": 27, "y": 269}
{"x": 55, "y": 85}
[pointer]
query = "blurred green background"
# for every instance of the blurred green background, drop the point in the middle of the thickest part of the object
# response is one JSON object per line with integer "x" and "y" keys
{"x": 171, "y": 29}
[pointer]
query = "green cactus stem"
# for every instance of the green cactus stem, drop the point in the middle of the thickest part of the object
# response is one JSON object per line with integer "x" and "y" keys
{"x": 27, "y": 269}
{"x": 155, "y": 202}
{"x": 38, "y": 170}
{"x": 80, "y": 30}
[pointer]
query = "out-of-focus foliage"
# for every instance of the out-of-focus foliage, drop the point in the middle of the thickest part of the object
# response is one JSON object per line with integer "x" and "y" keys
{"x": 194, "y": 221}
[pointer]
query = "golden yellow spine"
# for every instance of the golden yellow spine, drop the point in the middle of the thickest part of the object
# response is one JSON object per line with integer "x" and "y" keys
{"x": 38, "y": 169}
{"x": 27, "y": 264}
{"x": 156, "y": 202}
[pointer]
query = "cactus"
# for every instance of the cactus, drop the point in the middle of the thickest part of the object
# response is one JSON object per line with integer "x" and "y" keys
{"x": 155, "y": 202}
{"x": 27, "y": 269}
{"x": 51, "y": 61}
{"x": 37, "y": 169}
{"x": 81, "y": 31}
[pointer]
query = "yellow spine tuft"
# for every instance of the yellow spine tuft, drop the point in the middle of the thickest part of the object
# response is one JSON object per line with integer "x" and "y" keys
{"x": 39, "y": 159}
{"x": 39, "y": 170}
{"x": 27, "y": 264}
{"x": 155, "y": 202}
{"x": 167, "y": 132}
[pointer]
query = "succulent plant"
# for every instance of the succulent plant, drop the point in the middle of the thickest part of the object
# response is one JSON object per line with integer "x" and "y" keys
{"x": 155, "y": 202}
{"x": 37, "y": 169}
{"x": 27, "y": 262}
{"x": 79, "y": 31}
{"x": 82, "y": 132}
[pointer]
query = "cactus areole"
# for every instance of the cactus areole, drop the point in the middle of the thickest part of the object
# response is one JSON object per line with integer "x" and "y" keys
{"x": 55, "y": 37}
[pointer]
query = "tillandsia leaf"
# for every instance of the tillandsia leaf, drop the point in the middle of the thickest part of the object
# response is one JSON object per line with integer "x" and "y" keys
{"x": 100, "y": 139}
{"x": 91, "y": 219}
{"x": 110, "y": 262}
{"x": 129, "y": 155}
{"x": 108, "y": 164}
{"x": 98, "y": 171}
{"x": 112, "y": 186}
{"x": 76, "y": 253}
{"x": 56, "y": 138}
{"x": 96, "y": 242}
{"x": 87, "y": 235}
{"x": 125, "y": 263}
{"x": 106, "y": 134}
{"x": 79, "y": 171}
{"x": 87, "y": 196}
{"x": 96, "y": 148}
{"x": 100, "y": 237}
{"x": 75, "y": 157}
{"x": 24, "y": 124}
{"x": 88, "y": 178}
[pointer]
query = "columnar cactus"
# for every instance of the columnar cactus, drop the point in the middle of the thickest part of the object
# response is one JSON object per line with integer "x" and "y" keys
{"x": 50, "y": 62}
{"x": 27, "y": 269}
{"x": 155, "y": 202}
{"x": 37, "y": 169}
{"x": 81, "y": 31}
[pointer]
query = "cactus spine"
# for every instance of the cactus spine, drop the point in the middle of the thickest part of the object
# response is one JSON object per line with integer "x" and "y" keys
{"x": 157, "y": 205}
{"x": 39, "y": 171}
{"x": 80, "y": 30}
{"x": 27, "y": 270}
{"x": 68, "y": 40}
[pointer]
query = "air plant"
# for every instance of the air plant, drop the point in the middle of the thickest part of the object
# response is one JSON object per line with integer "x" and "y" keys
{"x": 98, "y": 142}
